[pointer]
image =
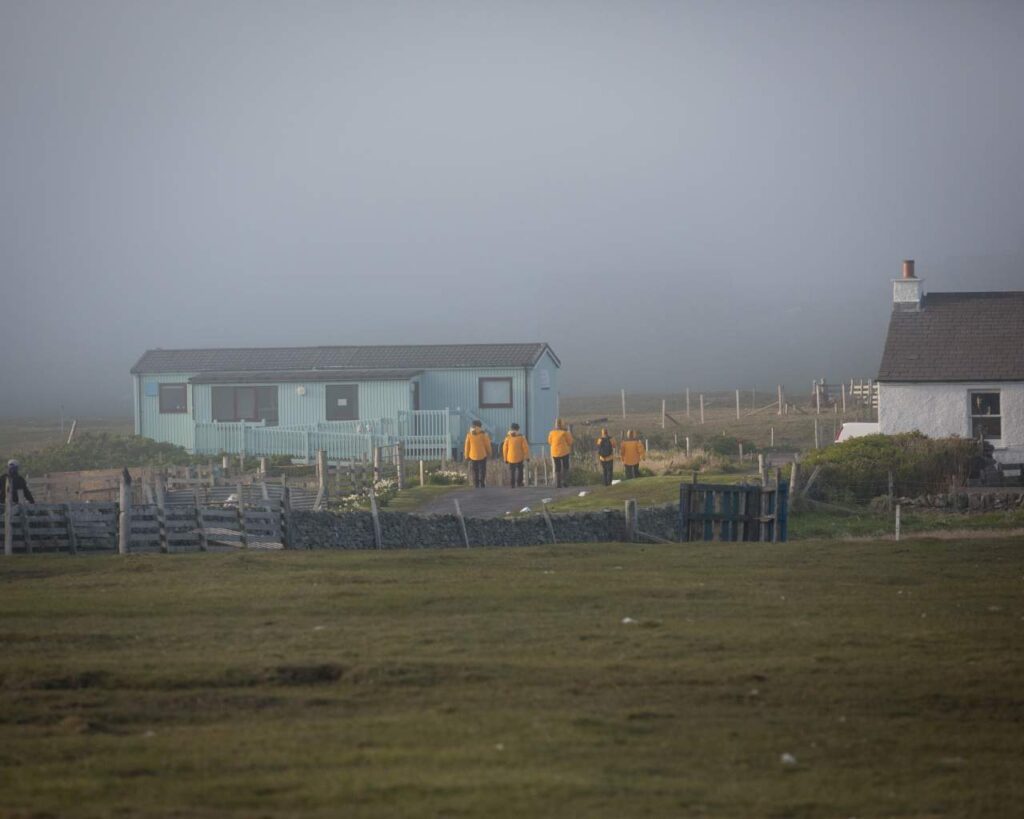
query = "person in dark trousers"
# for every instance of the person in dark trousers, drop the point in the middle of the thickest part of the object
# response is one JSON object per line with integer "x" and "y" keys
{"x": 477, "y": 448}
{"x": 632, "y": 451}
{"x": 606, "y": 455}
{"x": 560, "y": 441}
{"x": 515, "y": 449}
{"x": 18, "y": 485}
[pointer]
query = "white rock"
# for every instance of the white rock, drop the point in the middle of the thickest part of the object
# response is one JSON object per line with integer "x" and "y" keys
{"x": 628, "y": 621}
{"x": 787, "y": 759}
{"x": 616, "y": 482}
{"x": 546, "y": 500}
{"x": 524, "y": 510}
{"x": 583, "y": 494}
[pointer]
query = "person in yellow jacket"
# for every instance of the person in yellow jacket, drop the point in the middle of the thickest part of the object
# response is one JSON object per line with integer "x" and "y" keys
{"x": 606, "y": 455}
{"x": 632, "y": 452}
{"x": 560, "y": 441}
{"x": 477, "y": 450}
{"x": 515, "y": 449}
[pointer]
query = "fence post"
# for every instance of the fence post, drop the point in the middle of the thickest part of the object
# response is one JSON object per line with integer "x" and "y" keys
{"x": 780, "y": 400}
{"x": 741, "y": 451}
{"x": 161, "y": 511}
{"x": 400, "y": 463}
{"x": 321, "y": 478}
{"x": 242, "y": 536}
{"x": 263, "y": 466}
{"x": 687, "y": 446}
{"x": 771, "y": 433}
{"x": 737, "y": 405}
{"x": 662, "y": 413}
{"x": 794, "y": 477}
{"x": 462, "y": 523}
{"x": 687, "y": 402}
{"x": 376, "y": 464}
{"x": 762, "y": 470}
{"x": 70, "y": 524}
{"x": 623, "y": 403}
{"x": 897, "y": 521}
{"x": 889, "y": 495}
{"x": 817, "y": 435}
{"x": 286, "y": 517}
{"x": 547, "y": 520}
{"x": 631, "y": 521}
{"x": 423, "y": 477}
{"x": 200, "y": 522}
{"x": 375, "y": 513}
{"x": 124, "y": 512}
{"x": 8, "y": 513}
{"x": 702, "y": 408}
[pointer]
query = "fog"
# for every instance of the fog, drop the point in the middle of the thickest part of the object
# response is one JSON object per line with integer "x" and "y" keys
{"x": 710, "y": 194}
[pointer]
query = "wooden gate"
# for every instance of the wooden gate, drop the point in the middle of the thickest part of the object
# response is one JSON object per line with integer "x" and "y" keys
{"x": 729, "y": 512}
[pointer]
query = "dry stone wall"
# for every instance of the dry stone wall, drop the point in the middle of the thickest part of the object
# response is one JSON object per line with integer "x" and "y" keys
{"x": 354, "y": 530}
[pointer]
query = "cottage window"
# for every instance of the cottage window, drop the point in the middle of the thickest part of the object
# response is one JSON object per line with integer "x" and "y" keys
{"x": 245, "y": 404}
{"x": 986, "y": 418}
{"x": 495, "y": 393}
{"x": 173, "y": 398}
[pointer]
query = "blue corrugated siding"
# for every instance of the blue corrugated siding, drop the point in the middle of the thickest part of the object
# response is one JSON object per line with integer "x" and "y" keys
{"x": 377, "y": 399}
{"x": 543, "y": 402}
{"x": 173, "y": 427}
{"x": 461, "y": 389}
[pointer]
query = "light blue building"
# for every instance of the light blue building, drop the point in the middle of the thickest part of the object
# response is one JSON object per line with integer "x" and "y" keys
{"x": 296, "y": 400}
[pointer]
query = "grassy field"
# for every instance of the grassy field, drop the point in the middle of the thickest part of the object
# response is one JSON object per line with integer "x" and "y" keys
{"x": 793, "y": 432}
{"x": 508, "y": 682}
{"x": 30, "y": 435}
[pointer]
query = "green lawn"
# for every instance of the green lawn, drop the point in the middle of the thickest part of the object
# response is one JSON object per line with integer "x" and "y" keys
{"x": 505, "y": 682}
{"x": 411, "y": 499}
{"x": 652, "y": 491}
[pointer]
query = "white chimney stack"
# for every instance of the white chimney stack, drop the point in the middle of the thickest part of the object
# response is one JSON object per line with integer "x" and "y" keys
{"x": 906, "y": 291}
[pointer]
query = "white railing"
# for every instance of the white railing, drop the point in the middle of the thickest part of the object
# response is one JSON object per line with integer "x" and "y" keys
{"x": 257, "y": 439}
{"x": 425, "y": 434}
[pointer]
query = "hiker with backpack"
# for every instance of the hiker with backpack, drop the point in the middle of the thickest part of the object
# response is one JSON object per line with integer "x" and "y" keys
{"x": 515, "y": 449}
{"x": 632, "y": 452}
{"x": 606, "y": 455}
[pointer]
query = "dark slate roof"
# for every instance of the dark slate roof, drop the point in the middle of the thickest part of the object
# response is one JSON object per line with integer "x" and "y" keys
{"x": 957, "y": 337}
{"x": 265, "y": 377}
{"x": 384, "y": 357}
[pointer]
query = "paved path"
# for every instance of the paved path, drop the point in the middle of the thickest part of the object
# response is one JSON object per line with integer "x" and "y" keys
{"x": 495, "y": 502}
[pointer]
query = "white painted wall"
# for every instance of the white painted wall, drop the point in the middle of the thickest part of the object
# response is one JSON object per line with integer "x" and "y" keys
{"x": 943, "y": 410}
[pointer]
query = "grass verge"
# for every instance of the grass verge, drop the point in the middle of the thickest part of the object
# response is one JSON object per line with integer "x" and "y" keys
{"x": 506, "y": 682}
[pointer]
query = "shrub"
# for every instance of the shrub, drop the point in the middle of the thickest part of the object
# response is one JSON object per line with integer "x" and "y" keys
{"x": 858, "y": 470}
{"x": 446, "y": 477}
{"x": 103, "y": 451}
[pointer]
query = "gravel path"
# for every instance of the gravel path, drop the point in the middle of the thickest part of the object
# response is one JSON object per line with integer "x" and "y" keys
{"x": 495, "y": 502}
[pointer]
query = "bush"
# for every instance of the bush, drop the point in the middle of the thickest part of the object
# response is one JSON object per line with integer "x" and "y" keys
{"x": 103, "y": 451}
{"x": 858, "y": 470}
{"x": 446, "y": 477}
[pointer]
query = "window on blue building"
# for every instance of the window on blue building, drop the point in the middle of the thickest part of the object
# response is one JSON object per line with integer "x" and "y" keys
{"x": 495, "y": 393}
{"x": 245, "y": 404}
{"x": 173, "y": 398}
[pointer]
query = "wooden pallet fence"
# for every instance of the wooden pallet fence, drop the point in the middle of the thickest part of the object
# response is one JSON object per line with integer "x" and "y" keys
{"x": 94, "y": 527}
{"x": 731, "y": 513}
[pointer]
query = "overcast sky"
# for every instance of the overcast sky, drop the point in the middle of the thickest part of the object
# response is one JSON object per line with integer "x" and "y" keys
{"x": 710, "y": 194}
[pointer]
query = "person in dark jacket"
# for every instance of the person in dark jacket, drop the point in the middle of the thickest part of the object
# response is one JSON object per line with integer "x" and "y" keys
{"x": 606, "y": 455}
{"x": 18, "y": 485}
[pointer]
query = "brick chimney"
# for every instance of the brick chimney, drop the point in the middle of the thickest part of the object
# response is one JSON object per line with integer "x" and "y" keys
{"x": 906, "y": 291}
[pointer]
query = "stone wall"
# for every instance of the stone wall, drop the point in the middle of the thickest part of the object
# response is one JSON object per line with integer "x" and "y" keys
{"x": 989, "y": 501}
{"x": 354, "y": 530}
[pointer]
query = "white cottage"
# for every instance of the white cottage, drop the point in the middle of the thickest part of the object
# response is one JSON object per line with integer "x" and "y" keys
{"x": 954, "y": 365}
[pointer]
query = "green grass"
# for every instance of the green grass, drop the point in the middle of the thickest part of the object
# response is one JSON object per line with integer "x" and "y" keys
{"x": 413, "y": 498}
{"x": 834, "y": 524}
{"x": 22, "y": 435}
{"x": 645, "y": 491}
{"x": 503, "y": 682}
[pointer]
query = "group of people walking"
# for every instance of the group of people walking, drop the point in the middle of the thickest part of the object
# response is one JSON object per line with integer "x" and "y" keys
{"x": 515, "y": 452}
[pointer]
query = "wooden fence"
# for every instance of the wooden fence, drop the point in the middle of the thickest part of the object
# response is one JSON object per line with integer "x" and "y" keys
{"x": 101, "y": 527}
{"x": 726, "y": 512}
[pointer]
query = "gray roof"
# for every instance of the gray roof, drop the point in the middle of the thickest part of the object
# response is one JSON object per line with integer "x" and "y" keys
{"x": 383, "y": 357}
{"x": 266, "y": 377}
{"x": 957, "y": 337}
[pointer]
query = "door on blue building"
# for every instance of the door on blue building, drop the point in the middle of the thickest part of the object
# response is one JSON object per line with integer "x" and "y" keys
{"x": 342, "y": 402}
